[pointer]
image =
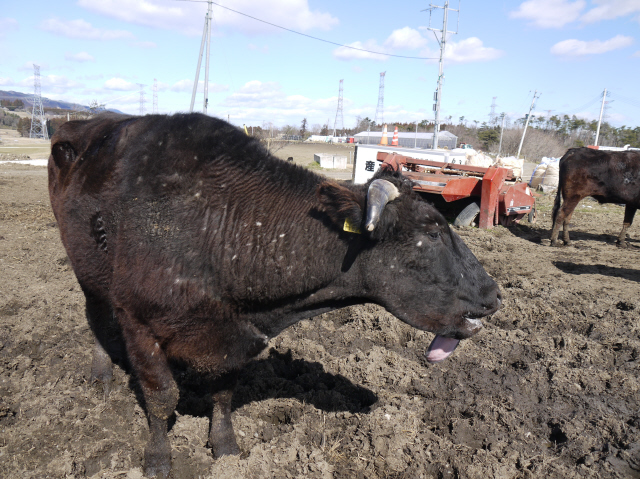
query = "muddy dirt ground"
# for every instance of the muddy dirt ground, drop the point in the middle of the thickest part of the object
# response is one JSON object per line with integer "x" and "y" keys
{"x": 548, "y": 389}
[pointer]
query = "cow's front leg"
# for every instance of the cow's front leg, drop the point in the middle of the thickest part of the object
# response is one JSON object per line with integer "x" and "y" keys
{"x": 222, "y": 439}
{"x": 160, "y": 392}
{"x": 629, "y": 213}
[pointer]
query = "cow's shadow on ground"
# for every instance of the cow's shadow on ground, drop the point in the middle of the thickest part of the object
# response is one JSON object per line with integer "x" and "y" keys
{"x": 540, "y": 236}
{"x": 276, "y": 376}
{"x": 601, "y": 269}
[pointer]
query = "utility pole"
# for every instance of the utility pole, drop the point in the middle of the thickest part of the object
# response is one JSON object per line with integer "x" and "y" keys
{"x": 604, "y": 97}
{"x": 206, "y": 38}
{"x": 501, "y": 132}
{"x": 492, "y": 114}
{"x": 442, "y": 41}
{"x": 339, "y": 113}
{"x": 533, "y": 104}
{"x": 38, "y": 121}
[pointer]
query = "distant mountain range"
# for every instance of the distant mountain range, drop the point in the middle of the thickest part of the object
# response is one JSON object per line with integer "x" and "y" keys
{"x": 46, "y": 102}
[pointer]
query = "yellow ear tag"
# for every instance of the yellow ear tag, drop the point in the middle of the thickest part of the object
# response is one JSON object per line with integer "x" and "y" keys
{"x": 348, "y": 226}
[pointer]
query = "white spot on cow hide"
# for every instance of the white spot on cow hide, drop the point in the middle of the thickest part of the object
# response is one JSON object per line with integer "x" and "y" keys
{"x": 419, "y": 244}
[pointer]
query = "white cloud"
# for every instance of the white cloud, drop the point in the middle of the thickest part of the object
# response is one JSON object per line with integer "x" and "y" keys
{"x": 470, "y": 50}
{"x": 145, "y": 44}
{"x": 636, "y": 54}
{"x": 6, "y": 81}
{"x": 7, "y": 25}
{"x": 610, "y": 9}
{"x": 188, "y": 17}
{"x": 549, "y": 13}
{"x": 574, "y": 47}
{"x": 51, "y": 84}
{"x": 401, "y": 39}
{"x": 79, "y": 57}
{"x": 186, "y": 86}
{"x": 28, "y": 66}
{"x": 182, "y": 86}
{"x": 82, "y": 29}
{"x": 256, "y": 48}
{"x": 405, "y": 38}
{"x": 120, "y": 84}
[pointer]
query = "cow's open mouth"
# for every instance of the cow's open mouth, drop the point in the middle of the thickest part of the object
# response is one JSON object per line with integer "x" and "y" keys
{"x": 441, "y": 347}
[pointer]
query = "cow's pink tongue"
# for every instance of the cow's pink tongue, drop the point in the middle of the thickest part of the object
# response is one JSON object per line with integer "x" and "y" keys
{"x": 440, "y": 348}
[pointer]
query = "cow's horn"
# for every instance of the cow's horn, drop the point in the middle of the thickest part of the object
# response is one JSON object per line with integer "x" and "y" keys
{"x": 379, "y": 194}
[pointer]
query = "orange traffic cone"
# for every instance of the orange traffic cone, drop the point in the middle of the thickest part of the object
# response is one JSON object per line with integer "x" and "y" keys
{"x": 383, "y": 140}
{"x": 394, "y": 140}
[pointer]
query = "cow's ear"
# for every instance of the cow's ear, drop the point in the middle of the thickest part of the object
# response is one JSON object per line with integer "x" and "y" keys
{"x": 63, "y": 153}
{"x": 341, "y": 205}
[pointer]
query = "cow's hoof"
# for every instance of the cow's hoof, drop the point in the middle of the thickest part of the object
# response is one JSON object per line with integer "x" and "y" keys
{"x": 555, "y": 243}
{"x": 157, "y": 465}
{"x": 102, "y": 381}
{"x": 224, "y": 447}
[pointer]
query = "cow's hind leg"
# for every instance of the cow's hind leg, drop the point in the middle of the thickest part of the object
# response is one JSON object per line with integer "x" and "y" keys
{"x": 222, "y": 439}
{"x": 629, "y": 213}
{"x": 563, "y": 218}
{"x": 160, "y": 391}
{"x": 106, "y": 334}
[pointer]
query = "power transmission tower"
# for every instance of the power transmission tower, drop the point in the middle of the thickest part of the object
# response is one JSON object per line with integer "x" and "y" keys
{"x": 142, "y": 100}
{"x": 604, "y": 97}
{"x": 533, "y": 104}
{"x": 339, "y": 112}
{"x": 379, "y": 119}
{"x": 155, "y": 96}
{"x": 492, "y": 114}
{"x": 206, "y": 38}
{"x": 442, "y": 40}
{"x": 38, "y": 121}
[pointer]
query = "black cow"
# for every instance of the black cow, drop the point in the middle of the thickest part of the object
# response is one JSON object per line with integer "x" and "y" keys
{"x": 607, "y": 176}
{"x": 203, "y": 246}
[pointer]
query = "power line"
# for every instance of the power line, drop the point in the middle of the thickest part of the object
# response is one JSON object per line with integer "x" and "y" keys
{"x": 628, "y": 101}
{"x": 309, "y": 36}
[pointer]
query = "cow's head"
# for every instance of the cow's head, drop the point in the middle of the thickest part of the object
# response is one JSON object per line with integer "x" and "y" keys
{"x": 411, "y": 262}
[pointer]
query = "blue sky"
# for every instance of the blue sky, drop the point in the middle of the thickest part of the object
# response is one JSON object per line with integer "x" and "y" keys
{"x": 567, "y": 50}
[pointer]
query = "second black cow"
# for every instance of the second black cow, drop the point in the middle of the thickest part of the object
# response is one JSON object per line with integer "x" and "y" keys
{"x": 203, "y": 246}
{"x": 607, "y": 176}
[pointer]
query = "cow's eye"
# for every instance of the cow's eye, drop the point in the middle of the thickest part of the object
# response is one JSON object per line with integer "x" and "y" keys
{"x": 434, "y": 235}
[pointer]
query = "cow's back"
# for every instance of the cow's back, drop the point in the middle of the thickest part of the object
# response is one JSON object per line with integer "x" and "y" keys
{"x": 164, "y": 203}
{"x": 607, "y": 176}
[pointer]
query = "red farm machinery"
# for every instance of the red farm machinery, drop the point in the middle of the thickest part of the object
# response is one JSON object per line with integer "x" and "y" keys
{"x": 494, "y": 194}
